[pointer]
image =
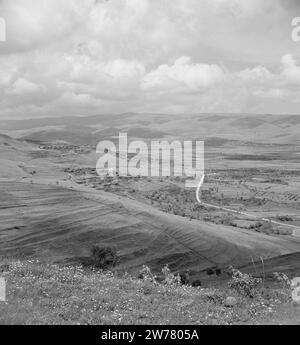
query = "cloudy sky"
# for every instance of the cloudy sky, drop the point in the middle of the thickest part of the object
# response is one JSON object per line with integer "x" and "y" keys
{"x": 81, "y": 57}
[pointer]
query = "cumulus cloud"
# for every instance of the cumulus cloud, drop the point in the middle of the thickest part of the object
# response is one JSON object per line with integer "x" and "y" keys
{"x": 22, "y": 86}
{"x": 32, "y": 24}
{"x": 96, "y": 56}
{"x": 183, "y": 73}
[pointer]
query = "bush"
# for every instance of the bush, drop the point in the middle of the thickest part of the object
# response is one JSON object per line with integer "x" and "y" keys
{"x": 283, "y": 279}
{"x": 267, "y": 228}
{"x": 104, "y": 257}
{"x": 196, "y": 283}
{"x": 170, "y": 278}
{"x": 285, "y": 218}
{"x": 244, "y": 283}
{"x": 209, "y": 271}
{"x": 184, "y": 278}
{"x": 146, "y": 274}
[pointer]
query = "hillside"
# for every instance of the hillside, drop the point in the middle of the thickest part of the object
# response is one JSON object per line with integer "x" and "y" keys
{"x": 44, "y": 215}
{"x": 288, "y": 263}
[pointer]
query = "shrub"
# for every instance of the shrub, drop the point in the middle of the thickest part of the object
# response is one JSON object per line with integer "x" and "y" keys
{"x": 283, "y": 279}
{"x": 218, "y": 271}
{"x": 196, "y": 283}
{"x": 267, "y": 228}
{"x": 104, "y": 257}
{"x": 170, "y": 278}
{"x": 285, "y": 218}
{"x": 146, "y": 274}
{"x": 209, "y": 271}
{"x": 184, "y": 278}
{"x": 244, "y": 283}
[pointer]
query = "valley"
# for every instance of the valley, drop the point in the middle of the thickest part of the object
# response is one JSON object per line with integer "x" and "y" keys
{"x": 54, "y": 207}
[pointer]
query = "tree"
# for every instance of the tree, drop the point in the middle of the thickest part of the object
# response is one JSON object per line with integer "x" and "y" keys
{"x": 104, "y": 257}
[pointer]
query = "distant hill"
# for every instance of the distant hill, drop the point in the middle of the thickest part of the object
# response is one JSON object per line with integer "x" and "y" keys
{"x": 91, "y": 129}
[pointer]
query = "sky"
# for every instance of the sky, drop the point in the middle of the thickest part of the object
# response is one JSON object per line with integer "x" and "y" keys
{"x": 83, "y": 57}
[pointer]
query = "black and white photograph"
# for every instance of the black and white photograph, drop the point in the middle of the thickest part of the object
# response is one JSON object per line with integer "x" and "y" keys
{"x": 149, "y": 165}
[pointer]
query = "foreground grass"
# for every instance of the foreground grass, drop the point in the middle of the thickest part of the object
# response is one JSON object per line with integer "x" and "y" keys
{"x": 51, "y": 294}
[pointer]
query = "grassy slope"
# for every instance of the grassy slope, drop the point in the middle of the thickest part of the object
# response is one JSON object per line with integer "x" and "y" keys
{"x": 49, "y": 294}
{"x": 289, "y": 263}
{"x": 60, "y": 224}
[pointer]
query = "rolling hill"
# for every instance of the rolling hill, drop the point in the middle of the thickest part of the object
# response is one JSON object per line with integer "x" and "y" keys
{"x": 275, "y": 129}
{"x": 44, "y": 215}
